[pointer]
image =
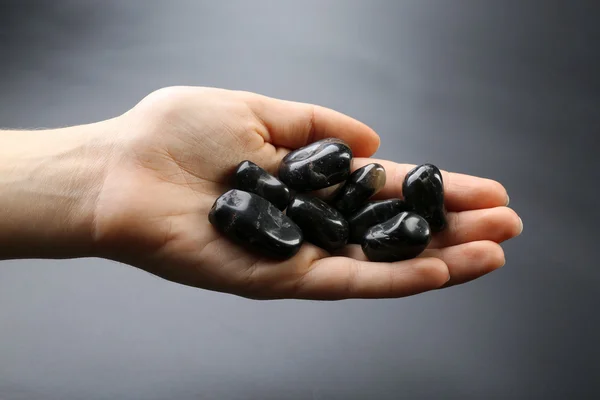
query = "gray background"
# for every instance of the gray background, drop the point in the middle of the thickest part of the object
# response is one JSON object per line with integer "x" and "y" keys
{"x": 508, "y": 90}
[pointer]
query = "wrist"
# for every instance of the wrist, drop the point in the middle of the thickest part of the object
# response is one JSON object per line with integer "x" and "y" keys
{"x": 50, "y": 181}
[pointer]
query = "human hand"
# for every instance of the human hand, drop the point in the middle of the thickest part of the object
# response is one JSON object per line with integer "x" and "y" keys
{"x": 174, "y": 156}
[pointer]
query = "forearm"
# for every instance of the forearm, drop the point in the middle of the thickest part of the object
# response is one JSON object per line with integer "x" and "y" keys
{"x": 49, "y": 183}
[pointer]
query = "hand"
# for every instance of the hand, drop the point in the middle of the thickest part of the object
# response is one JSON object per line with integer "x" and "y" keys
{"x": 176, "y": 151}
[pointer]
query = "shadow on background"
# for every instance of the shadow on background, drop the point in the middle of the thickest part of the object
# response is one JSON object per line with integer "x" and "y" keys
{"x": 32, "y": 32}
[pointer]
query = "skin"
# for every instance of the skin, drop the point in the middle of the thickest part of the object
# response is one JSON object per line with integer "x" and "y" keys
{"x": 137, "y": 189}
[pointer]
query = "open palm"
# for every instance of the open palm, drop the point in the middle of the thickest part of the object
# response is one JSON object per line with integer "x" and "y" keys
{"x": 175, "y": 154}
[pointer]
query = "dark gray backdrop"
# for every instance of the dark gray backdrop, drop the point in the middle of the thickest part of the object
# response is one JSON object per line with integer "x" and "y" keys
{"x": 507, "y": 90}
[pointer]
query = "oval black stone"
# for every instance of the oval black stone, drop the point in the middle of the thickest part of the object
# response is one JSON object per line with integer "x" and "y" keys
{"x": 321, "y": 224}
{"x": 402, "y": 237}
{"x": 423, "y": 190}
{"x": 316, "y": 166}
{"x": 360, "y": 186}
{"x": 251, "y": 178}
{"x": 373, "y": 213}
{"x": 250, "y": 220}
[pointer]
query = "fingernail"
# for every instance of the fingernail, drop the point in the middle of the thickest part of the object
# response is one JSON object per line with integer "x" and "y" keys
{"x": 521, "y": 231}
{"x": 503, "y": 263}
{"x": 507, "y": 199}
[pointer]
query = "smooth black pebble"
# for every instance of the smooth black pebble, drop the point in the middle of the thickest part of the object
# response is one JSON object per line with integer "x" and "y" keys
{"x": 373, "y": 213}
{"x": 250, "y": 220}
{"x": 423, "y": 191}
{"x": 402, "y": 237}
{"x": 321, "y": 224}
{"x": 360, "y": 186}
{"x": 251, "y": 178}
{"x": 319, "y": 165}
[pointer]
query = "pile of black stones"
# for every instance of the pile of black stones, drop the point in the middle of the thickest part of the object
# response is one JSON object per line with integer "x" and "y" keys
{"x": 274, "y": 216}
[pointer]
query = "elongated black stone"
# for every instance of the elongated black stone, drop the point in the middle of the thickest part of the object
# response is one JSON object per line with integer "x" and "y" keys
{"x": 373, "y": 213}
{"x": 316, "y": 166}
{"x": 423, "y": 191}
{"x": 251, "y": 178}
{"x": 402, "y": 237}
{"x": 360, "y": 186}
{"x": 321, "y": 224}
{"x": 250, "y": 220}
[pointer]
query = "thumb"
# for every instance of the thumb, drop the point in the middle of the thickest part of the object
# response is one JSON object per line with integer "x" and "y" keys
{"x": 292, "y": 125}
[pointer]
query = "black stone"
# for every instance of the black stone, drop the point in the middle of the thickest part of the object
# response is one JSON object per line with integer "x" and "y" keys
{"x": 316, "y": 166}
{"x": 321, "y": 224}
{"x": 423, "y": 191}
{"x": 250, "y": 220}
{"x": 373, "y": 213}
{"x": 360, "y": 186}
{"x": 402, "y": 237}
{"x": 251, "y": 178}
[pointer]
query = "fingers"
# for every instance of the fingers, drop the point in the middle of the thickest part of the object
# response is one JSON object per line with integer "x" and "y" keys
{"x": 337, "y": 278}
{"x": 465, "y": 262}
{"x": 293, "y": 125}
{"x": 311, "y": 275}
{"x": 496, "y": 224}
{"x": 470, "y": 260}
{"x": 462, "y": 192}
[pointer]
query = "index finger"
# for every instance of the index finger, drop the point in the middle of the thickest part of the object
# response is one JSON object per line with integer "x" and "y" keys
{"x": 461, "y": 192}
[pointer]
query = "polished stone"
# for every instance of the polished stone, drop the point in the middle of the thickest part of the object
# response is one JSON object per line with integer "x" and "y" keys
{"x": 423, "y": 190}
{"x": 321, "y": 224}
{"x": 251, "y": 178}
{"x": 402, "y": 237}
{"x": 317, "y": 165}
{"x": 250, "y": 220}
{"x": 360, "y": 186}
{"x": 373, "y": 213}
